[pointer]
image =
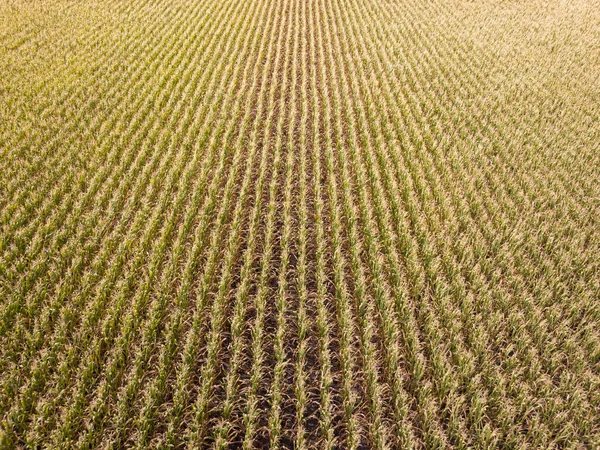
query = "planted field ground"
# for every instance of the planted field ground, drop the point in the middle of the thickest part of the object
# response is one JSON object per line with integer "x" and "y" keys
{"x": 299, "y": 224}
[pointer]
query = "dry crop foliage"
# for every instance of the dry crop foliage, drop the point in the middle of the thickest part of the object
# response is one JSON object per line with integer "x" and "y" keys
{"x": 299, "y": 224}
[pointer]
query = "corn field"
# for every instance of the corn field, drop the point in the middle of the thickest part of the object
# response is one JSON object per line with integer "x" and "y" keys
{"x": 361, "y": 224}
